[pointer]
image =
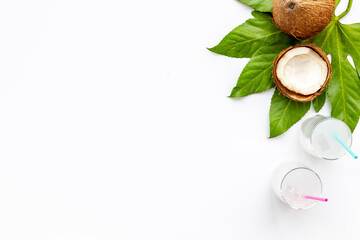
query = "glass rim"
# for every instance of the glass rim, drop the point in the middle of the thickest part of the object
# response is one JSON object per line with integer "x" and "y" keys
{"x": 282, "y": 181}
{"x": 316, "y": 125}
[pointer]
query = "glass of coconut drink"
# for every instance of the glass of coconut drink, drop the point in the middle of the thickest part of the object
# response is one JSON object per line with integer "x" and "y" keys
{"x": 297, "y": 185}
{"x": 326, "y": 137}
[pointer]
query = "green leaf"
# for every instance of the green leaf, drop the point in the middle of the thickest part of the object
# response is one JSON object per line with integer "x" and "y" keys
{"x": 337, "y": 2}
{"x": 259, "y": 5}
{"x": 246, "y": 39}
{"x": 340, "y": 40}
{"x": 284, "y": 113}
{"x": 257, "y": 75}
{"x": 319, "y": 101}
{"x": 344, "y": 93}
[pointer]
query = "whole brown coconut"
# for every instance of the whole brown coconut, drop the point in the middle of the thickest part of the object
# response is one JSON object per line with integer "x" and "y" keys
{"x": 302, "y": 18}
{"x": 294, "y": 72}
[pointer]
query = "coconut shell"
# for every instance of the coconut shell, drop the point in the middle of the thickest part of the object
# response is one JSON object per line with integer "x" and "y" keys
{"x": 294, "y": 95}
{"x": 303, "y": 18}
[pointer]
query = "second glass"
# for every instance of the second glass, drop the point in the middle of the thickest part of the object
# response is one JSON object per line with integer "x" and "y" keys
{"x": 296, "y": 185}
{"x": 319, "y": 136}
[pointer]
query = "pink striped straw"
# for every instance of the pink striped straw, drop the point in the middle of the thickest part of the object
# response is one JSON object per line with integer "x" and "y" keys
{"x": 316, "y": 198}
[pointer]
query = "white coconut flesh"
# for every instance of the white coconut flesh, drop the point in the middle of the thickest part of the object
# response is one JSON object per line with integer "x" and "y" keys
{"x": 302, "y": 70}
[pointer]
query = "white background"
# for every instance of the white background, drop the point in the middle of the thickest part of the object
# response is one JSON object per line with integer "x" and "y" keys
{"x": 114, "y": 124}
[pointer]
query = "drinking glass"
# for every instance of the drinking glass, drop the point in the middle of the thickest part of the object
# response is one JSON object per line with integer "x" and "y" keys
{"x": 319, "y": 134}
{"x": 294, "y": 182}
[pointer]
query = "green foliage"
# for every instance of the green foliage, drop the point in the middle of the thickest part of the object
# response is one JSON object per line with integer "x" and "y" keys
{"x": 255, "y": 33}
{"x": 319, "y": 101}
{"x": 259, "y": 5}
{"x": 341, "y": 40}
{"x": 260, "y": 40}
{"x": 284, "y": 113}
{"x": 256, "y": 76}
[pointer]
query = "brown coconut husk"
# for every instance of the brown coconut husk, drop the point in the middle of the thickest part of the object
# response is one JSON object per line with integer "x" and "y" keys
{"x": 294, "y": 95}
{"x": 303, "y": 18}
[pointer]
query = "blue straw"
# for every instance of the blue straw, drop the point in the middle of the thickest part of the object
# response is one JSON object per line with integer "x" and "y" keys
{"x": 345, "y": 146}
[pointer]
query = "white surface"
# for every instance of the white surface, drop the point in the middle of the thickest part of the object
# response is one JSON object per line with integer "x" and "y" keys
{"x": 115, "y": 125}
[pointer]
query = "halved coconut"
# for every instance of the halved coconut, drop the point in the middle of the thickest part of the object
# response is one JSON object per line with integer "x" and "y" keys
{"x": 301, "y": 72}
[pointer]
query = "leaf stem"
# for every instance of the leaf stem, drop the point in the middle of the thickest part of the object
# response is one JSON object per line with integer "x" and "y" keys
{"x": 346, "y": 11}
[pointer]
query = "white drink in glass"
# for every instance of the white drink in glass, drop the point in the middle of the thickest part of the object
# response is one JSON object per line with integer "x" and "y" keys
{"x": 318, "y": 137}
{"x": 292, "y": 181}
